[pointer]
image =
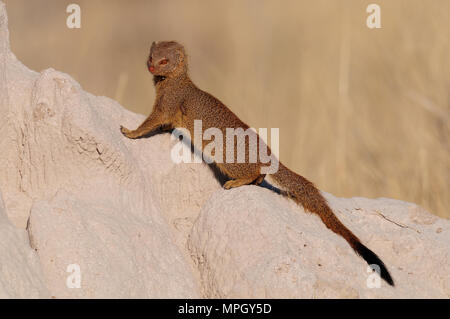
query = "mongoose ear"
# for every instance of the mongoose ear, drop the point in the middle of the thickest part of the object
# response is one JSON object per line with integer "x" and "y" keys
{"x": 152, "y": 46}
{"x": 181, "y": 54}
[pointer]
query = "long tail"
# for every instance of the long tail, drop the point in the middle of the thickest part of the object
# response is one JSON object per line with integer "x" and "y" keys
{"x": 305, "y": 193}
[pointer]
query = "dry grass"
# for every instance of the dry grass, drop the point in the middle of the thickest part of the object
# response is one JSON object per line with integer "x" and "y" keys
{"x": 361, "y": 112}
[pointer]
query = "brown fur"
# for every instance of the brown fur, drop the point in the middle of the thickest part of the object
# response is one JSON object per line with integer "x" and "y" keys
{"x": 179, "y": 102}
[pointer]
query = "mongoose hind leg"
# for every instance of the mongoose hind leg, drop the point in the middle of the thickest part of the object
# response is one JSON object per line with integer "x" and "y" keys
{"x": 244, "y": 181}
{"x": 260, "y": 179}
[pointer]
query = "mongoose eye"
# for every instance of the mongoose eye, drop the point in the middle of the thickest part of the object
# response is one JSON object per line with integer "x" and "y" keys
{"x": 163, "y": 62}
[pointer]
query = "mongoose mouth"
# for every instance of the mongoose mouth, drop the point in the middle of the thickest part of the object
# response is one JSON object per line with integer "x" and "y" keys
{"x": 158, "y": 78}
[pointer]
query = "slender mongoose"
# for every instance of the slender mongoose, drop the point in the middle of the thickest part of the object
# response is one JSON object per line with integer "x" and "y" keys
{"x": 179, "y": 103}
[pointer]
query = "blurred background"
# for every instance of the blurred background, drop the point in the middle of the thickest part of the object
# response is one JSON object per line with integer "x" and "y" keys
{"x": 361, "y": 112}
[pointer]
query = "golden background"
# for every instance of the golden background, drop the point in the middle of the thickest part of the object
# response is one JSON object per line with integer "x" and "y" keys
{"x": 361, "y": 112}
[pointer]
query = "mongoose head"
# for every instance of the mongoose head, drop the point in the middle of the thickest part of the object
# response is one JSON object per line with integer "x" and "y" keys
{"x": 167, "y": 58}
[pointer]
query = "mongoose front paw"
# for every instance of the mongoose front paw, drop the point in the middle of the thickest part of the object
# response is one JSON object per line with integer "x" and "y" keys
{"x": 126, "y": 132}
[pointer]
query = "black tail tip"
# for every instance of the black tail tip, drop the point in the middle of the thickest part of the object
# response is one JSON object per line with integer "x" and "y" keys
{"x": 372, "y": 259}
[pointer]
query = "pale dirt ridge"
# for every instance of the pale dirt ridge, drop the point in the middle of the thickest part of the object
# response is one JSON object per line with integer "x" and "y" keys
{"x": 75, "y": 191}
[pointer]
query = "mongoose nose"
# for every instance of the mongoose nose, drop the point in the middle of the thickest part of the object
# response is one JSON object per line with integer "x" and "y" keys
{"x": 150, "y": 67}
